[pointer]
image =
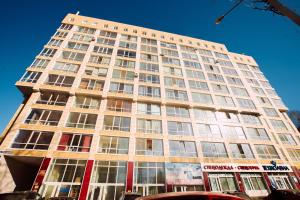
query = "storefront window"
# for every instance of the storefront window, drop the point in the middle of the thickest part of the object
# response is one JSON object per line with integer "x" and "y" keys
{"x": 222, "y": 182}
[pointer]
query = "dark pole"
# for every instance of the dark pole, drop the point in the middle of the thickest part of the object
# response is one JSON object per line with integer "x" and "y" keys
{"x": 219, "y": 19}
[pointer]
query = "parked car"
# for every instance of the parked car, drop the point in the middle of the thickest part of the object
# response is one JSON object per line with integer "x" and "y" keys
{"x": 283, "y": 195}
{"x": 23, "y": 195}
{"x": 129, "y": 196}
{"x": 190, "y": 196}
{"x": 243, "y": 195}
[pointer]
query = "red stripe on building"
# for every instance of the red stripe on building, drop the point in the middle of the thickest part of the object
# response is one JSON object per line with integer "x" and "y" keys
{"x": 41, "y": 174}
{"x": 129, "y": 179}
{"x": 206, "y": 181}
{"x": 239, "y": 181}
{"x": 267, "y": 180}
{"x": 86, "y": 180}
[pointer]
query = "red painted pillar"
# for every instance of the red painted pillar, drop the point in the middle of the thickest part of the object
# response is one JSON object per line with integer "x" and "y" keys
{"x": 267, "y": 180}
{"x": 297, "y": 174}
{"x": 86, "y": 180}
{"x": 129, "y": 178}
{"x": 40, "y": 175}
{"x": 206, "y": 181}
{"x": 239, "y": 181}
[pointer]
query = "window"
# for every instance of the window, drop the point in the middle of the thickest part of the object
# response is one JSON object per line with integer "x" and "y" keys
{"x": 113, "y": 145}
{"x": 209, "y": 130}
{"x": 86, "y": 30}
{"x": 176, "y": 95}
{"x": 60, "y": 80}
{"x": 222, "y": 182}
{"x": 190, "y": 56}
{"x": 278, "y": 103}
{"x": 228, "y": 117}
{"x": 199, "y": 85}
{"x": 148, "y": 109}
{"x": 43, "y": 117}
{"x": 287, "y": 139}
{"x": 91, "y": 84}
{"x": 194, "y": 74}
{"x": 240, "y": 91}
{"x": 168, "y": 45}
{"x": 233, "y": 132}
{"x": 116, "y": 123}
{"x": 102, "y": 50}
{"x": 118, "y": 105}
{"x": 247, "y": 73}
{"x": 121, "y": 88}
{"x": 87, "y": 102}
{"x": 278, "y": 124}
{"x": 215, "y": 77}
{"x": 180, "y": 128}
{"x": 149, "y": 178}
{"x": 220, "y": 88}
{"x": 225, "y": 63}
{"x": 129, "y": 54}
{"x": 99, "y": 60}
{"x": 108, "y": 34}
{"x": 221, "y": 55}
{"x": 253, "y": 82}
{"x": 205, "y": 52}
{"x": 170, "y": 61}
{"x": 229, "y": 71}
{"x": 48, "y": 52}
{"x": 148, "y": 41}
{"x": 253, "y": 182}
{"x": 31, "y": 77}
{"x": 224, "y": 101}
{"x": 176, "y": 111}
{"x": 130, "y": 38}
{"x": 148, "y": 78}
{"x": 214, "y": 149}
{"x": 55, "y": 43}
{"x": 127, "y": 45}
{"x": 69, "y": 55}
{"x": 149, "y": 67}
{"x": 257, "y": 133}
{"x": 28, "y": 139}
{"x": 234, "y": 81}
{"x": 96, "y": 71}
{"x": 201, "y": 98}
{"x": 264, "y": 100}
{"x": 57, "y": 99}
{"x": 251, "y": 119}
{"x": 83, "y": 38}
{"x": 66, "y": 67}
{"x": 64, "y": 178}
{"x": 66, "y": 26}
{"x": 125, "y": 63}
{"x": 39, "y": 63}
{"x": 241, "y": 151}
{"x": 75, "y": 142}
{"x": 77, "y": 46}
{"x": 61, "y": 34}
{"x": 266, "y": 151}
{"x": 294, "y": 154}
{"x": 122, "y": 74}
{"x": 109, "y": 177}
{"x": 149, "y": 147}
{"x": 174, "y": 82}
{"x": 149, "y": 126}
{"x": 106, "y": 41}
{"x": 149, "y": 91}
{"x": 212, "y": 68}
{"x": 81, "y": 120}
{"x": 149, "y": 57}
{"x": 204, "y": 115}
{"x": 172, "y": 71}
{"x": 182, "y": 148}
{"x": 271, "y": 112}
{"x": 192, "y": 64}
{"x": 246, "y": 103}
{"x": 208, "y": 60}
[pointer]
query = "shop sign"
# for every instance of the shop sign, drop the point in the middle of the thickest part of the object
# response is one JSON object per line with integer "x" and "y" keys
{"x": 231, "y": 167}
{"x": 276, "y": 168}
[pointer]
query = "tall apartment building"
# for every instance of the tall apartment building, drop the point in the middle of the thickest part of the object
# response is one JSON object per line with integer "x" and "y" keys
{"x": 111, "y": 107}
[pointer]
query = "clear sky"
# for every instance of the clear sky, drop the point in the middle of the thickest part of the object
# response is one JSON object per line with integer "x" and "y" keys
{"x": 272, "y": 40}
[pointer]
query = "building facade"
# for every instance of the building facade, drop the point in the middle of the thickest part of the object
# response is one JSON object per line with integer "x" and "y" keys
{"x": 110, "y": 107}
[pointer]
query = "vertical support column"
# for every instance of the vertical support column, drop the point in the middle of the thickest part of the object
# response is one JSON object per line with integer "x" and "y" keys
{"x": 129, "y": 178}
{"x": 295, "y": 174}
{"x": 206, "y": 181}
{"x": 86, "y": 180}
{"x": 267, "y": 180}
{"x": 41, "y": 174}
{"x": 239, "y": 181}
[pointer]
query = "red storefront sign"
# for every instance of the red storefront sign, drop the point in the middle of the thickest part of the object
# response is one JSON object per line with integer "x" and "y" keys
{"x": 232, "y": 168}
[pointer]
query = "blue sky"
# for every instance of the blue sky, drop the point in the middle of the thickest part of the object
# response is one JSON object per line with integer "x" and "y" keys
{"x": 272, "y": 40}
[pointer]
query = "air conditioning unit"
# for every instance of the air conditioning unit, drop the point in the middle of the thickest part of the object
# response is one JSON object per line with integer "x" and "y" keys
{"x": 161, "y": 54}
{"x": 136, "y": 75}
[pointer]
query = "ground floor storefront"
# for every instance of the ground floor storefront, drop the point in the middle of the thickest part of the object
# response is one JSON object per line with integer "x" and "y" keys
{"x": 106, "y": 180}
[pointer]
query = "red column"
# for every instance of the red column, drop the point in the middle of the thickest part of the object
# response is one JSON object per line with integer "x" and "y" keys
{"x": 86, "y": 180}
{"x": 267, "y": 180}
{"x": 206, "y": 181}
{"x": 129, "y": 178}
{"x": 297, "y": 174}
{"x": 239, "y": 181}
{"x": 40, "y": 175}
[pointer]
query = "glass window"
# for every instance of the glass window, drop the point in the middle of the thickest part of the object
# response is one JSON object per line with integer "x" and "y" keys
{"x": 148, "y": 146}
{"x": 116, "y": 123}
{"x": 75, "y": 142}
{"x": 177, "y": 111}
{"x": 149, "y": 126}
{"x": 148, "y": 109}
{"x": 266, "y": 151}
{"x": 113, "y": 145}
{"x": 182, "y": 148}
{"x": 118, "y": 105}
{"x": 213, "y": 149}
{"x": 241, "y": 151}
{"x": 179, "y": 128}
{"x": 209, "y": 130}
